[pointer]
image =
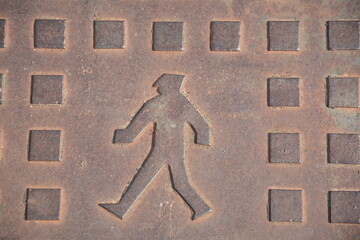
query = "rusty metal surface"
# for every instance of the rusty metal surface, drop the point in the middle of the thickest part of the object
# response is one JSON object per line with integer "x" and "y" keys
{"x": 179, "y": 119}
{"x": 2, "y": 33}
{"x": 42, "y": 204}
{"x": 108, "y": 34}
{"x": 49, "y": 33}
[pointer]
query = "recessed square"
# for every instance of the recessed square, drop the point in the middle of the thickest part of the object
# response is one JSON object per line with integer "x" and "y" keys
{"x": 109, "y": 34}
{"x": 44, "y": 145}
{"x": 344, "y": 207}
{"x": 343, "y": 92}
{"x": 47, "y": 89}
{"x": 343, "y": 35}
{"x": 283, "y": 92}
{"x": 225, "y": 36}
{"x": 42, "y": 204}
{"x": 283, "y": 35}
{"x": 49, "y": 33}
{"x": 284, "y": 148}
{"x": 167, "y": 36}
{"x": 2, "y": 33}
{"x": 1, "y": 88}
{"x": 285, "y": 205}
{"x": 344, "y": 148}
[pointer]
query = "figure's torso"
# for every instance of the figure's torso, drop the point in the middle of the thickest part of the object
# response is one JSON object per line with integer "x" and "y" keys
{"x": 169, "y": 114}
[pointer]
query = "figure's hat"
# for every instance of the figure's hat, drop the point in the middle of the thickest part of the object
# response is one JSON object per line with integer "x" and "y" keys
{"x": 169, "y": 80}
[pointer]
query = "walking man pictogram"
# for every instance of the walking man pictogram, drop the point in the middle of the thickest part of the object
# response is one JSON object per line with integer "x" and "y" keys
{"x": 169, "y": 111}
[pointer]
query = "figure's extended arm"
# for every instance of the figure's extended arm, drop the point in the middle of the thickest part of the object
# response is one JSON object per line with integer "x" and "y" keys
{"x": 200, "y": 127}
{"x": 135, "y": 127}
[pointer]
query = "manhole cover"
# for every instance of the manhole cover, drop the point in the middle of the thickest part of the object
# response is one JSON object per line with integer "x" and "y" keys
{"x": 179, "y": 119}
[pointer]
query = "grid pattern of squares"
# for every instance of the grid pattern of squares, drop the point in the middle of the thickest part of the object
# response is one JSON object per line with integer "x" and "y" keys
{"x": 284, "y": 204}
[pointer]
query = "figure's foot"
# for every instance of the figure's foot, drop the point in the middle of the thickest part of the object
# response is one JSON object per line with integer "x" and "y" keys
{"x": 114, "y": 208}
{"x": 205, "y": 209}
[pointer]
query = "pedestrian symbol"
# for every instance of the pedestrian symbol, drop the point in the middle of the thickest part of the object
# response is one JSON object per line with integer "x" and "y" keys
{"x": 169, "y": 111}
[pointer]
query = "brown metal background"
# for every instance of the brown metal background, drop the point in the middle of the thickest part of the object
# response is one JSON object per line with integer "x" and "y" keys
{"x": 103, "y": 89}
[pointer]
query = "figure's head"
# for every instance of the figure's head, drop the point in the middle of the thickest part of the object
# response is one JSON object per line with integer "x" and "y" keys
{"x": 169, "y": 83}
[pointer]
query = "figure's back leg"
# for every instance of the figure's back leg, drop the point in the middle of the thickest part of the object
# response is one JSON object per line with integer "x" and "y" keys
{"x": 141, "y": 180}
{"x": 182, "y": 185}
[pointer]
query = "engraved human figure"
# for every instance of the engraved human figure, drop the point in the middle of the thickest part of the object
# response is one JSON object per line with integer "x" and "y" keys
{"x": 169, "y": 112}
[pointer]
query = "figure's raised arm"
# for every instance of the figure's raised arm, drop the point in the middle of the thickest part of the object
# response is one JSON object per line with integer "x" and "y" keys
{"x": 200, "y": 127}
{"x": 141, "y": 119}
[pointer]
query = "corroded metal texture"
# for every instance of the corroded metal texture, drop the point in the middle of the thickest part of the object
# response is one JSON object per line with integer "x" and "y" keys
{"x": 179, "y": 119}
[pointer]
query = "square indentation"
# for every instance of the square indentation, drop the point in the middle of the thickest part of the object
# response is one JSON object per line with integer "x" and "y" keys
{"x": 344, "y": 207}
{"x": 2, "y": 33}
{"x": 283, "y": 92}
{"x": 47, "y": 89}
{"x": 167, "y": 36}
{"x": 344, "y": 148}
{"x": 285, "y": 205}
{"x": 283, "y": 35}
{"x": 42, "y": 204}
{"x": 225, "y": 36}
{"x": 44, "y": 145}
{"x": 109, "y": 34}
{"x": 343, "y": 35}
{"x": 284, "y": 147}
{"x": 1, "y": 88}
{"x": 343, "y": 92}
{"x": 49, "y": 33}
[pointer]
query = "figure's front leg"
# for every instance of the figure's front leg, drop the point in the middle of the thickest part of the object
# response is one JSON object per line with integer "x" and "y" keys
{"x": 181, "y": 184}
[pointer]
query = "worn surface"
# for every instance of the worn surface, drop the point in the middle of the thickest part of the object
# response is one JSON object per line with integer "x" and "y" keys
{"x": 283, "y": 92}
{"x": 44, "y": 145}
{"x": 167, "y": 36}
{"x": 283, "y": 35}
{"x": 42, "y": 204}
{"x": 343, "y": 35}
{"x": 344, "y": 206}
{"x": 2, "y": 32}
{"x": 285, "y": 205}
{"x": 225, "y": 36}
{"x": 47, "y": 89}
{"x": 1, "y": 88}
{"x": 263, "y": 129}
{"x": 49, "y": 33}
{"x": 343, "y": 92}
{"x": 344, "y": 148}
{"x": 109, "y": 34}
{"x": 284, "y": 147}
